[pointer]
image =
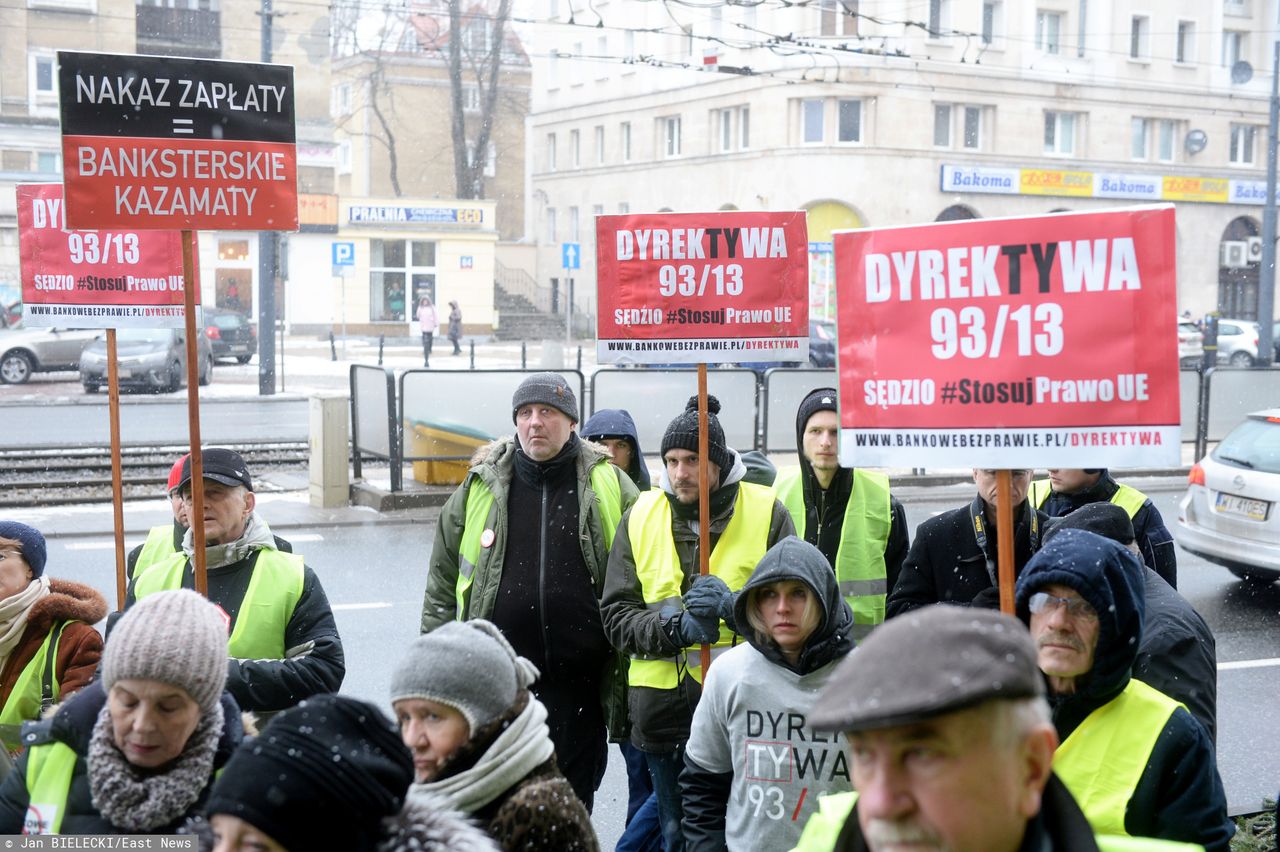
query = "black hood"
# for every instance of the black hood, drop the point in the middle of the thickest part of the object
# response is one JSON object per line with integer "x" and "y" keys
{"x": 1110, "y": 578}
{"x": 795, "y": 559}
{"x": 617, "y": 423}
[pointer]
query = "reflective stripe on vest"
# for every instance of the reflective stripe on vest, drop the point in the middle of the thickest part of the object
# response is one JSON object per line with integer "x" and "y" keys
{"x": 864, "y": 535}
{"x": 36, "y": 689}
{"x": 1129, "y": 499}
{"x": 274, "y": 590}
{"x": 49, "y": 770}
{"x": 157, "y": 547}
{"x": 1103, "y": 759}
{"x": 735, "y": 555}
{"x": 479, "y": 517}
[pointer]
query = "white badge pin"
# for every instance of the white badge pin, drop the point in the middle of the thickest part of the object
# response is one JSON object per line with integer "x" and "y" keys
{"x": 486, "y": 538}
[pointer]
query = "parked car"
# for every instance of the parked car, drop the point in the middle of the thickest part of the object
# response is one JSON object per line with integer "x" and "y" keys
{"x": 147, "y": 358}
{"x": 1237, "y": 342}
{"x": 230, "y": 334}
{"x": 1190, "y": 344}
{"x": 822, "y": 343}
{"x": 1229, "y": 514}
{"x": 24, "y": 351}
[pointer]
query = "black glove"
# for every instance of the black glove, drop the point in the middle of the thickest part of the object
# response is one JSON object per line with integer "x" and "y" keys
{"x": 706, "y": 595}
{"x": 988, "y": 598}
{"x": 725, "y": 611}
{"x": 694, "y": 629}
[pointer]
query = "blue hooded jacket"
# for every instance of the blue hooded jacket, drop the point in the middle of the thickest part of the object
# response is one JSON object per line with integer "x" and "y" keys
{"x": 1180, "y": 794}
{"x": 617, "y": 423}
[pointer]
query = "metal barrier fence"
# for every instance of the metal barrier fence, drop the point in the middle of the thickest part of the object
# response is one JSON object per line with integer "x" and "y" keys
{"x": 373, "y": 418}
{"x": 655, "y": 397}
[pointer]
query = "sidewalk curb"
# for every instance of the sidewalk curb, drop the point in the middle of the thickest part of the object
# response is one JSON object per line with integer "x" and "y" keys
{"x": 102, "y": 399}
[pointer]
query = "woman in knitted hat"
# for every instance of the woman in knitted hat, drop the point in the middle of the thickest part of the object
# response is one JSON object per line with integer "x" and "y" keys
{"x": 330, "y": 773}
{"x": 136, "y": 751}
{"x": 480, "y": 740}
{"x": 48, "y": 647}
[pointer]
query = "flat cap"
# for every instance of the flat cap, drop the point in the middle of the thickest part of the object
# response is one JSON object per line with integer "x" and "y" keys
{"x": 928, "y": 662}
{"x": 1106, "y": 519}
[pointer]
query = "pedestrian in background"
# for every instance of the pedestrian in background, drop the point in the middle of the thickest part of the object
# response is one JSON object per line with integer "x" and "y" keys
{"x": 480, "y": 740}
{"x": 798, "y": 628}
{"x": 427, "y": 324}
{"x": 48, "y": 647}
{"x": 455, "y": 327}
{"x": 135, "y": 752}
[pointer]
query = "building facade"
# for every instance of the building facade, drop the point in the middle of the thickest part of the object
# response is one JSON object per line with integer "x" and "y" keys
{"x": 892, "y": 113}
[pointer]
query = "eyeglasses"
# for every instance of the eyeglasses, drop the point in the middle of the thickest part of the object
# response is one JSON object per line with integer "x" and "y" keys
{"x": 1076, "y": 607}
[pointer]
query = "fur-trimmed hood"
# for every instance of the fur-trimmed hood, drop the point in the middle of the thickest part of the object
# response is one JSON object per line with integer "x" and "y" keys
{"x": 500, "y": 451}
{"x": 426, "y": 824}
{"x": 67, "y": 601}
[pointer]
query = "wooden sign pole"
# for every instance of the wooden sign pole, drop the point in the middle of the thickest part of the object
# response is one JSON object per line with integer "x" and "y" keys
{"x": 196, "y": 519}
{"x": 1004, "y": 538}
{"x": 117, "y": 488}
{"x": 704, "y": 497}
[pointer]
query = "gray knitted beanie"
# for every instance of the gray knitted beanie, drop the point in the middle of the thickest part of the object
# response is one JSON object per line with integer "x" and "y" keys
{"x": 549, "y": 389}
{"x": 175, "y": 637}
{"x": 468, "y": 665}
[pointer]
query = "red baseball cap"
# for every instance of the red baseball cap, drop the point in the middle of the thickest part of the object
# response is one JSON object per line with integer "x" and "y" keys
{"x": 175, "y": 473}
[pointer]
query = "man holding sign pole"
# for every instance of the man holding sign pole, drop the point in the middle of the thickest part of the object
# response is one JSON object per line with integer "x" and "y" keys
{"x": 659, "y": 610}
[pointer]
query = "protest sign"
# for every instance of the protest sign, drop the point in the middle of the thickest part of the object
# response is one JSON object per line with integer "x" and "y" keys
{"x": 94, "y": 279}
{"x": 1004, "y": 343}
{"x": 702, "y": 287}
{"x": 160, "y": 142}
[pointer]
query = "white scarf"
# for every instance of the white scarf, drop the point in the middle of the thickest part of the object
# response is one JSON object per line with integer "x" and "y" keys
{"x": 14, "y": 611}
{"x": 256, "y": 535}
{"x": 522, "y": 747}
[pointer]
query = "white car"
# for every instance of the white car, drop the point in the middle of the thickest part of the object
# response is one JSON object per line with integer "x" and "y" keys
{"x": 1237, "y": 342}
{"x": 1231, "y": 512}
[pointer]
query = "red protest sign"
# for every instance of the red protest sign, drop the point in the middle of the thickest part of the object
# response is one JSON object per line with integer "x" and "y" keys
{"x": 94, "y": 279}
{"x": 183, "y": 144}
{"x": 1032, "y": 342}
{"x": 696, "y": 287}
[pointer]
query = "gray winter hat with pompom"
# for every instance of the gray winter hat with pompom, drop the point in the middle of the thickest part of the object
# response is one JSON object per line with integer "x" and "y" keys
{"x": 468, "y": 665}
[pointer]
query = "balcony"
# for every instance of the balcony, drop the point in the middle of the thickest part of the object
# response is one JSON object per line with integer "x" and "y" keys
{"x": 164, "y": 31}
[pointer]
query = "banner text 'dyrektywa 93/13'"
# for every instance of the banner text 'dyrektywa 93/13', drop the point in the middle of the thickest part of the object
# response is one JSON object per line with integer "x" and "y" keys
{"x": 160, "y": 142}
{"x": 94, "y": 279}
{"x": 1029, "y": 342}
{"x": 702, "y": 287}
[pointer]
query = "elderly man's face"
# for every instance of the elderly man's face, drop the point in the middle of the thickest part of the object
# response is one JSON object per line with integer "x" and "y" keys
{"x": 1066, "y": 629}
{"x": 543, "y": 430}
{"x": 985, "y": 479}
{"x": 949, "y": 784}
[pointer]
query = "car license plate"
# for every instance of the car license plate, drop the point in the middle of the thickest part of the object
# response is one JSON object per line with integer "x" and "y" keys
{"x": 1232, "y": 504}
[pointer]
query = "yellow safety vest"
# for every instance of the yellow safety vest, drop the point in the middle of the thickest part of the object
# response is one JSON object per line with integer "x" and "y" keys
{"x": 864, "y": 535}
{"x": 823, "y": 830}
{"x": 481, "y": 515}
{"x": 36, "y": 689}
{"x": 49, "y": 770}
{"x": 1103, "y": 759}
{"x": 1129, "y": 499}
{"x": 157, "y": 547}
{"x": 735, "y": 555}
{"x": 274, "y": 590}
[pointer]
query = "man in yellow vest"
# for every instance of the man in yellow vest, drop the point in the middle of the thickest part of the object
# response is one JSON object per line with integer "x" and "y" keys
{"x": 952, "y": 748}
{"x": 656, "y": 607}
{"x": 523, "y": 542}
{"x": 1136, "y": 760}
{"x": 284, "y": 643}
{"x": 847, "y": 513}
{"x": 1067, "y": 489}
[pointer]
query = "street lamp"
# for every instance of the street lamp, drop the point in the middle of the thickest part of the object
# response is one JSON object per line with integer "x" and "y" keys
{"x": 1267, "y": 272}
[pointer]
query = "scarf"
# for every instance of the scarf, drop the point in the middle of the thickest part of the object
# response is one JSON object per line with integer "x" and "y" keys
{"x": 256, "y": 535}
{"x": 138, "y": 800}
{"x": 14, "y": 611}
{"x": 522, "y": 747}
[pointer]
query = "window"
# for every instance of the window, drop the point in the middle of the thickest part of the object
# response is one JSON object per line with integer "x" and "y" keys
{"x": 1233, "y": 47}
{"x": 1185, "y": 49}
{"x": 599, "y": 144}
{"x": 470, "y": 98}
{"x": 551, "y": 224}
{"x": 671, "y": 134}
{"x": 342, "y": 99}
{"x": 849, "y": 128}
{"x": 573, "y": 224}
{"x": 1242, "y": 144}
{"x": 811, "y": 121}
{"x": 1140, "y": 37}
{"x": 839, "y": 17}
{"x": 575, "y": 149}
{"x": 970, "y": 129}
{"x": 942, "y": 125}
{"x": 344, "y": 157}
{"x": 48, "y": 162}
{"x": 626, "y": 141}
{"x": 1059, "y": 133}
{"x": 724, "y": 118}
{"x": 597, "y": 210}
{"x": 939, "y": 18}
{"x": 992, "y": 20}
{"x": 551, "y": 152}
{"x": 491, "y": 160}
{"x": 42, "y": 81}
{"x": 744, "y": 127}
{"x": 1153, "y": 139}
{"x": 395, "y": 265}
{"x": 479, "y": 38}
{"x": 624, "y": 208}
{"x": 1048, "y": 32}
{"x": 602, "y": 50}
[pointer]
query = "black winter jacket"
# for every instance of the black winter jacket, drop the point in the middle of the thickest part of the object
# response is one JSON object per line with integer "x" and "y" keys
{"x": 73, "y": 724}
{"x": 705, "y": 794}
{"x": 946, "y": 565}
{"x": 179, "y": 533}
{"x": 1180, "y": 794}
{"x": 1149, "y": 531}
